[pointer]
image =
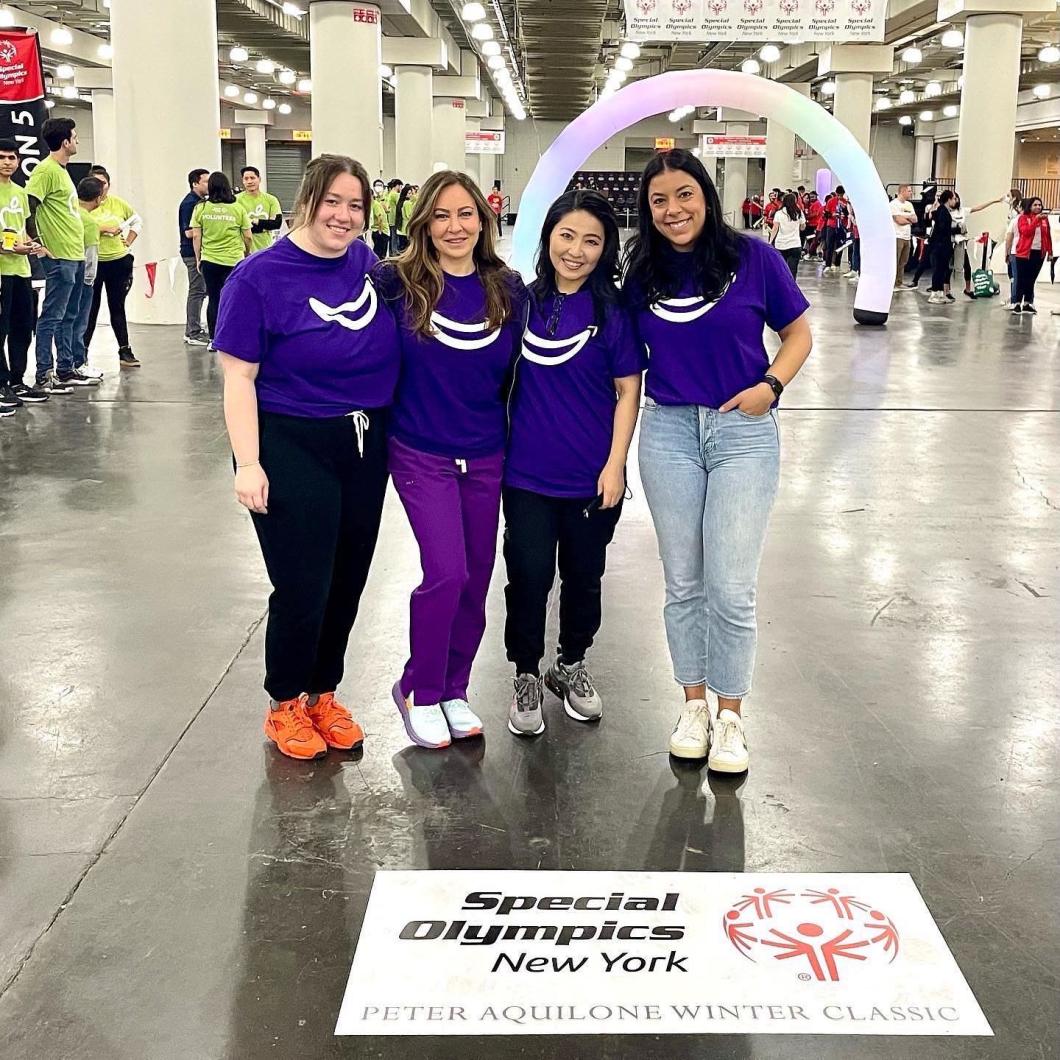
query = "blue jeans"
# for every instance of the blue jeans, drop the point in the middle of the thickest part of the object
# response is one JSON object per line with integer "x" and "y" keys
{"x": 83, "y": 297}
{"x": 56, "y": 322}
{"x": 710, "y": 479}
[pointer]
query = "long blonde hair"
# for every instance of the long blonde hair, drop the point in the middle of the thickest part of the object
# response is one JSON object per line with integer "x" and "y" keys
{"x": 318, "y": 177}
{"x": 418, "y": 266}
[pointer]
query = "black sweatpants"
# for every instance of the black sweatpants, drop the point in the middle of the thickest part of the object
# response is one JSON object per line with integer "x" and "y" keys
{"x": 536, "y": 528}
{"x": 791, "y": 257}
{"x": 1027, "y": 270}
{"x": 215, "y": 276}
{"x": 17, "y": 319}
{"x": 117, "y": 278}
{"x": 941, "y": 265}
{"x": 318, "y": 538}
{"x": 381, "y": 244}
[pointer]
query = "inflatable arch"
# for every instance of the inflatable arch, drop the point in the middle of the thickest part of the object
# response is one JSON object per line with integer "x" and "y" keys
{"x": 846, "y": 157}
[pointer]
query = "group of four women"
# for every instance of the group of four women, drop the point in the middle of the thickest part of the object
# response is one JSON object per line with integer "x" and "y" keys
{"x": 441, "y": 370}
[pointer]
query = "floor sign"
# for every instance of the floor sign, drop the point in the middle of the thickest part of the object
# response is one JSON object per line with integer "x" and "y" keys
{"x": 473, "y": 952}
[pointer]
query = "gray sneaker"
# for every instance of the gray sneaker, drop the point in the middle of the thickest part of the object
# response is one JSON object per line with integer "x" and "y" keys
{"x": 525, "y": 717}
{"x": 574, "y": 685}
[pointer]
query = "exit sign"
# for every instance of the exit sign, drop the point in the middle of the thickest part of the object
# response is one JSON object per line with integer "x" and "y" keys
{"x": 664, "y": 143}
{"x": 302, "y": 135}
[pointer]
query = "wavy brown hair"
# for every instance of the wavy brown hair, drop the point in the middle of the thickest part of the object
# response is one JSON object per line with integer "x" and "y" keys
{"x": 319, "y": 175}
{"x": 421, "y": 274}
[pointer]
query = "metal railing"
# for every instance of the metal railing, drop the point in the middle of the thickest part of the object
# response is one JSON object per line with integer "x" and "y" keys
{"x": 1045, "y": 188}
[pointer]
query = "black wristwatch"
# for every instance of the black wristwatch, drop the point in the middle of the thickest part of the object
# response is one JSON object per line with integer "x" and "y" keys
{"x": 774, "y": 383}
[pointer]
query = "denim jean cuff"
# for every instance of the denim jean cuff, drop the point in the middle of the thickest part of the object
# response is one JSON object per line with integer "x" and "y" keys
{"x": 729, "y": 695}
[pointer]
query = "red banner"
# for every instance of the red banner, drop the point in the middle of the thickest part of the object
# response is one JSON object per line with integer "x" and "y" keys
{"x": 22, "y": 110}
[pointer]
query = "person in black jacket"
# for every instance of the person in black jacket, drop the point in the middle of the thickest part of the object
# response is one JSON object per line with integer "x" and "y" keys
{"x": 940, "y": 250}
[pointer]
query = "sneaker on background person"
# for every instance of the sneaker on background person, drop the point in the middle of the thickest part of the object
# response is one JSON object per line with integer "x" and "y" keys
{"x": 30, "y": 395}
{"x": 463, "y": 722}
{"x": 573, "y": 685}
{"x": 691, "y": 735}
{"x": 9, "y": 397}
{"x": 728, "y": 745}
{"x": 126, "y": 358}
{"x": 75, "y": 377}
{"x": 334, "y": 722}
{"x": 51, "y": 385}
{"x": 425, "y": 725}
{"x": 202, "y": 339}
{"x": 289, "y": 727}
{"x": 525, "y": 716}
{"x": 7, "y": 407}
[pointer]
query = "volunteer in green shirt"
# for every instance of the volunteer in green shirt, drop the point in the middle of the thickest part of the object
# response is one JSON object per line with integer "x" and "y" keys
{"x": 119, "y": 227}
{"x": 56, "y": 222}
{"x": 16, "y": 318}
{"x": 220, "y": 234}
{"x": 403, "y": 211}
{"x": 380, "y": 224}
{"x": 264, "y": 210}
{"x": 89, "y": 194}
{"x": 393, "y": 190}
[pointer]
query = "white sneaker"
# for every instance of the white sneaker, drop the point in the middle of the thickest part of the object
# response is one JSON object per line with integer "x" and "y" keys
{"x": 728, "y": 748}
{"x": 691, "y": 735}
{"x": 461, "y": 719}
{"x": 90, "y": 372}
{"x": 426, "y": 726}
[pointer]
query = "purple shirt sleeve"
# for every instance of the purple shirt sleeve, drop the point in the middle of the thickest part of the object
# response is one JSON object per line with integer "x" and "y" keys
{"x": 628, "y": 356}
{"x": 785, "y": 303}
{"x": 241, "y": 329}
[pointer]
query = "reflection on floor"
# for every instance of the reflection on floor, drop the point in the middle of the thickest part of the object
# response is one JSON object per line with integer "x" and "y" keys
{"x": 171, "y": 888}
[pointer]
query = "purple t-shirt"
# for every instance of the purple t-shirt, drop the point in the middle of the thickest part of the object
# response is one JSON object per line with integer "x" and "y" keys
{"x": 704, "y": 353}
{"x": 325, "y": 342}
{"x": 451, "y": 396}
{"x": 563, "y": 407}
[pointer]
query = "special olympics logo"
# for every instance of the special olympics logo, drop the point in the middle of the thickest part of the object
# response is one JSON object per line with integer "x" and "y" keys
{"x": 862, "y": 7}
{"x": 717, "y": 7}
{"x": 646, "y": 7}
{"x": 824, "y": 7}
{"x": 8, "y": 52}
{"x": 819, "y": 930}
{"x": 789, "y": 7}
{"x": 752, "y": 7}
{"x": 682, "y": 6}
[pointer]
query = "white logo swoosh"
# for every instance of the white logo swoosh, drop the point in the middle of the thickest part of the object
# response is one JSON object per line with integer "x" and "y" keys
{"x": 442, "y": 325}
{"x": 685, "y": 310}
{"x": 337, "y": 314}
{"x": 571, "y": 346}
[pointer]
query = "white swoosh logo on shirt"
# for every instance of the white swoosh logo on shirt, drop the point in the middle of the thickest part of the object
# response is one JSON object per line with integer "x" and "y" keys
{"x": 337, "y": 314}
{"x": 443, "y": 325}
{"x": 685, "y": 310}
{"x": 570, "y": 347}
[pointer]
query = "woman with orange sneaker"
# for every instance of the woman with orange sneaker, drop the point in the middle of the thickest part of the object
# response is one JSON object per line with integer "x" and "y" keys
{"x": 310, "y": 361}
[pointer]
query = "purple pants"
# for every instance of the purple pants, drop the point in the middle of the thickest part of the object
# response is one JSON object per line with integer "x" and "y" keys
{"x": 453, "y": 507}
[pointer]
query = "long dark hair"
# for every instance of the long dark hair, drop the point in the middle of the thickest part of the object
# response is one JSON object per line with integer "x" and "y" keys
{"x": 716, "y": 253}
{"x": 601, "y": 282}
{"x": 406, "y": 191}
{"x": 219, "y": 188}
{"x": 1028, "y": 204}
{"x": 790, "y": 206}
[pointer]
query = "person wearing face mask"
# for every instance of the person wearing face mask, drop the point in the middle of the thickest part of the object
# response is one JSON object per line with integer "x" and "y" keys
{"x": 1028, "y": 243}
{"x": 310, "y": 360}
{"x": 572, "y": 414}
{"x": 460, "y": 314}
{"x": 701, "y": 296}
{"x": 380, "y": 225}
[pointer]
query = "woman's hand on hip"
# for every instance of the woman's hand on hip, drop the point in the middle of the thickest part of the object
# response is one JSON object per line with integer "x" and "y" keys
{"x": 252, "y": 488}
{"x": 611, "y": 485}
{"x": 755, "y": 400}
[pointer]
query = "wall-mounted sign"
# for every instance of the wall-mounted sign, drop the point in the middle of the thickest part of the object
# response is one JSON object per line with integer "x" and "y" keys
{"x": 486, "y": 142}
{"x": 733, "y": 146}
{"x": 302, "y": 135}
{"x": 665, "y": 143}
{"x": 458, "y": 104}
{"x": 490, "y": 952}
{"x": 369, "y": 15}
{"x": 768, "y": 20}
{"x": 225, "y": 134}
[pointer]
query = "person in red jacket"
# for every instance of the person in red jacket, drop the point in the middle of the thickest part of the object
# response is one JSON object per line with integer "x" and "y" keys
{"x": 772, "y": 206}
{"x": 1029, "y": 231}
{"x": 814, "y": 221}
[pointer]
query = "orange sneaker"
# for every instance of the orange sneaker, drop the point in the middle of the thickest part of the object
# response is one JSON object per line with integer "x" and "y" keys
{"x": 334, "y": 723}
{"x": 289, "y": 727}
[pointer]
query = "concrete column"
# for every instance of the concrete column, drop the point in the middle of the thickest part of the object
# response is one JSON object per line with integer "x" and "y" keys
{"x": 735, "y": 188}
{"x": 780, "y": 150}
{"x": 161, "y": 141}
{"x": 987, "y": 124}
{"x": 413, "y": 114}
{"x": 473, "y": 163}
{"x": 853, "y": 104}
{"x": 255, "y": 145}
{"x": 923, "y": 157}
{"x": 447, "y": 140}
{"x": 104, "y": 128}
{"x": 389, "y": 147}
{"x": 344, "y": 57}
{"x": 710, "y": 164}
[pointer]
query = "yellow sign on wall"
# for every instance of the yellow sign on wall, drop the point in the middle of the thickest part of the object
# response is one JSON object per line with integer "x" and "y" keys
{"x": 225, "y": 134}
{"x": 664, "y": 143}
{"x": 303, "y": 135}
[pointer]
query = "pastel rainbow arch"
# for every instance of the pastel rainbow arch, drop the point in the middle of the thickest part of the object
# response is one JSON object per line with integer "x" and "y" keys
{"x": 846, "y": 157}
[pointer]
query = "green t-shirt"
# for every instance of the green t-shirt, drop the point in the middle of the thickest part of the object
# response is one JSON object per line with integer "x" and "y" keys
{"x": 58, "y": 217}
{"x": 92, "y": 236}
{"x": 110, "y": 212}
{"x": 406, "y": 212}
{"x": 222, "y": 225}
{"x": 14, "y": 209}
{"x": 380, "y": 222}
{"x": 260, "y": 207}
{"x": 391, "y": 207}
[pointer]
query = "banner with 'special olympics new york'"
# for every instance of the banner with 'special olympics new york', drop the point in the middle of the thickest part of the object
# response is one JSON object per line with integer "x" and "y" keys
{"x": 22, "y": 109}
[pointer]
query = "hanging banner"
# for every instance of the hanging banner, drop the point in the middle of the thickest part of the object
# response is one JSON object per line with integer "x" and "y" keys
{"x": 493, "y": 952}
{"x": 733, "y": 146}
{"x": 22, "y": 109}
{"x": 753, "y": 20}
{"x": 484, "y": 143}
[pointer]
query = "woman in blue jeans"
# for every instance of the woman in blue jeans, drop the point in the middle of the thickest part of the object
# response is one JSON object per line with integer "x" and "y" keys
{"x": 701, "y": 296}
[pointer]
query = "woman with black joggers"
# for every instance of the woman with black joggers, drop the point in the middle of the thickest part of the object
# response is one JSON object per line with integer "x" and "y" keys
{"x": 940, "y": 250}
{"x": 1030, "y": 243}
{"x": 220, "y": 234}
{"x": 311, "y": 360}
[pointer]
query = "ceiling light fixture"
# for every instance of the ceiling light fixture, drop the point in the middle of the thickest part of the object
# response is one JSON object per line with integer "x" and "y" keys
{"x": 883, "y": 103}
{"x": 269, "y": 104}
{"x": 905, "y": 120}
{"x": 61, "y": 35}
{"x": 912, "y": 56}
{"x": 1041, "y": 91}
{"x": 629, "y": 50}
{"x": 69, "y": 92}
{"x": 750, "y": 66}
{"x": 231, "y": 91}
{"x": 473, "y": 12}
{"x": 769, "y": 53}
{"x": 250, "y": 98}
{"x": 284, "y": 108}
{"x": 906, "y": 96}
{"x": 932, "y": 88}
{"x": 265, "y": 66}
{"x": 482, "y": 31}
{"x": 951, "y": 110}
{"x": 1049, "y": 54}
{"x": 828, "y": 88}
{"x": 495, "y": 62}
{"x": 292, "y": 9}
{"x": 952, "y": 38}
{"x": 305, "y": 85}
{"x": 287, "y": 77}
{"x": 238, "y": 54}
{"x": 105, "y": 51}
{"x": 623, "y": 64}
{"x": 491, "y": 47}
{"x": 64, "y": 71}
{"x": 7, "y": 17}
{"x": 385, "y": 71}
{"x": 926, "y": 115}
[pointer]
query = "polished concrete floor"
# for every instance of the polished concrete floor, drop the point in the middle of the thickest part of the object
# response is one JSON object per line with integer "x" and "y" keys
{"x": 172, "y": 888}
